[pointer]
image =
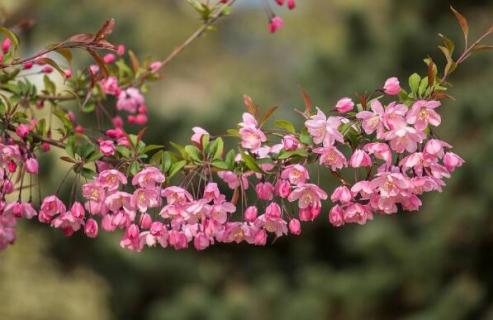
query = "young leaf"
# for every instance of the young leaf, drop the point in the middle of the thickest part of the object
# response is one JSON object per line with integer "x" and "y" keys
{"x": 251, "y": 107}
{"x": 251, "y": 163}
{"x": 308, "y": 101}
{"x": 267, "y": 115}
{"x": 462, "y": 22}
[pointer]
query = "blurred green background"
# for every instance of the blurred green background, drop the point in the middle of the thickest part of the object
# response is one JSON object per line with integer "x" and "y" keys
{"x": 436, "y": 264}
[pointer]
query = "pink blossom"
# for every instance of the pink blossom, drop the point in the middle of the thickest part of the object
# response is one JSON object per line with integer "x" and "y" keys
{"x": 201, "y": 241}
{"x": 198, "y": 133}
{"x": 344, "y": 105}
{"x": 341, "y": 194}
{"x": 251, "y": 213}
{"x": 119, "y": 200}
{"x": 404, "y": 139}
{"x": 283, "y": 188}
{"x": 373, "y": 120}
{"x": 251, "y": 136}
{"x": 452, "y": 161}
{"x": 379, "y": 150}
{"x": 436, "y": 147}
{"x": 129, "y": 100}
{"x": 155, "y": 66}
{"x": 107, "y": 147}
{"x": 146, "y": 198}
{"x": 307, "y": 194}
{"x": 291, "y": 4}
{"x": 176, "y": 195}
{"x": 422, "y": 113}
{"x": 109, "y": 58}
{"x": 233, "y": 180}
{"x": 149, "y": 177}
{"x": 275, "y": 24}
{"x": 296, "y": 174}
{"x": 50, "y": 207}
{"x": 20, "y": 209}
{"x": 110, "y": 86}
{"x": 265, "y": 191}
{"x": 359, "y": 159}
{"x": 357, "y": 213}
{"x": 111, "y": 179}
{"x": 392, "y": 86}
{"x": 331, "y": 157}
{"x": 310, "y": 213}
{"x": 324, "y": 130}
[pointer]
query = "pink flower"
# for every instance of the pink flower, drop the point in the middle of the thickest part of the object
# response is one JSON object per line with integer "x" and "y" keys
{"x": 251, "y": 136}
{"x": 307, "y": 195}
{"x": 119, "y": 200}
{"x": 251, "y": 213}
{"x": 295, "y": 173}
{"x": 130, "y": 100}
{"x": 265, "y": 191}
{"x": 176, "y": 195}
{"x": 198, "y": 133}
{"x": 310, "y": 213}
{"x": 360, "y": 159}
{"x": 111, "y": 179}
{"x": 93, "y": 191}
{"x": 50, "y": 207}
{"x": 373, "y": 120}
{"x": 341, "y": 194}
{"x": 275, "y": 24}
{"x": 364, "y": 188}
{"x": 404, "y": 139}
{"x": 32, "y": 166}
{"x": 435, "y": 147}
{"x": 357, "y": 213}
{"x": 392, "y": 86}
{"x": 201, "y": 241}
{"x": 146, "y": 198}
{"x": 344, "y": 105}
{"x": 290, "y": 143}
{"x": 379, "y": 150}
{"x": 452, "y": 161}
{"x": 20, "y": 209}
{"x": 331, "y": 157}
{"x": 283, "y": 188}
{"x": 149, "y": 177}
{"x": 107, "y": 147}
{"x": 155, "y": 66}
{"x": 233, "y": 180}
{"x": 324, "y": 130}
{"x": 336, "y": 216}
{"x": 295, "y": 226}
{"x": 22, "y": 131}
{"x": 422, "y": 113}
{"x": 110, "y": 86}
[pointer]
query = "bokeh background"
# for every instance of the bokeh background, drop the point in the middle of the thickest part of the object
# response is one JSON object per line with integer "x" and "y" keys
{"x": 436, "y": 264}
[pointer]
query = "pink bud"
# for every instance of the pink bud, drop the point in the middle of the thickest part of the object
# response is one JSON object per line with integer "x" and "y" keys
{"x": 141, "y": 119}
{"x": 392, "y": 86}
{"x": 32, "y": 166}
{"x": 341, "y": 194}
{"x": 45, "y": 146}
{"x": 251, "y": 213}
{"x": 290, "y": 143}
{"x": 360, "y": 159}
{"x": 295, "y": 226}
{"x": 91, "y": 228}
{"x": 291, "y": 4}
{"x": 280, "y": 2}
{"x": 452, "y": 161}
{"x": 155, "y": 66}
{"x": 265, "y": 191}
{"x": 283, "y": 188}
{"x": 77, "y": 210}
{"x": 201, "y": 242}
{"x": 22, "y": 131}
{"x": 109, "y": 58}
{"x": 336, "y": 216}
{"x": 117, "y": 122}
{"x": 47, "y": 69}
{"x": 275, "y": 24}
{"x": 28, "y": 65}
{"x": 145, "y": 221}
{"x": 107, "y": 147}
{"x": 273, "y": 210}
{"x": 344, "y": 105}
{"x": 12, "y": 166}
{"x": 120, "y": 50}
{"x": 6, "y": 45}
{"x": 67, "y": 73}
{"x": 79, "y": 129}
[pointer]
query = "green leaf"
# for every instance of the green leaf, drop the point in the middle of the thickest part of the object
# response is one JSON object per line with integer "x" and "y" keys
{"x": 286, "y": 125}
{"x": 49, "y": 85}
{"x": 180, "y": 149}
{"x": 414, "y": 81}
{"x": 305, "y": 137}
{"x": 288, "y": 154}
{"x": 193, "y": 152}
{"x": 220, "y": 164}
{"x": 176, "y": 167}
{"x": 230, "y": 159}
{"x": 251, "y": 163}
{"x": 151, "y": 147}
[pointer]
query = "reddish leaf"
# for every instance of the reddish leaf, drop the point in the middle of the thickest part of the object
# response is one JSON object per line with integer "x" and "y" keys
{"x": 105, "y": 30}
{"x": 462, "y": 22}
{"x": 308, "y": 101}
{"x": 82, "y": 37}
{"x": 267, "y": 115}
{"x": 251, "y": 107}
